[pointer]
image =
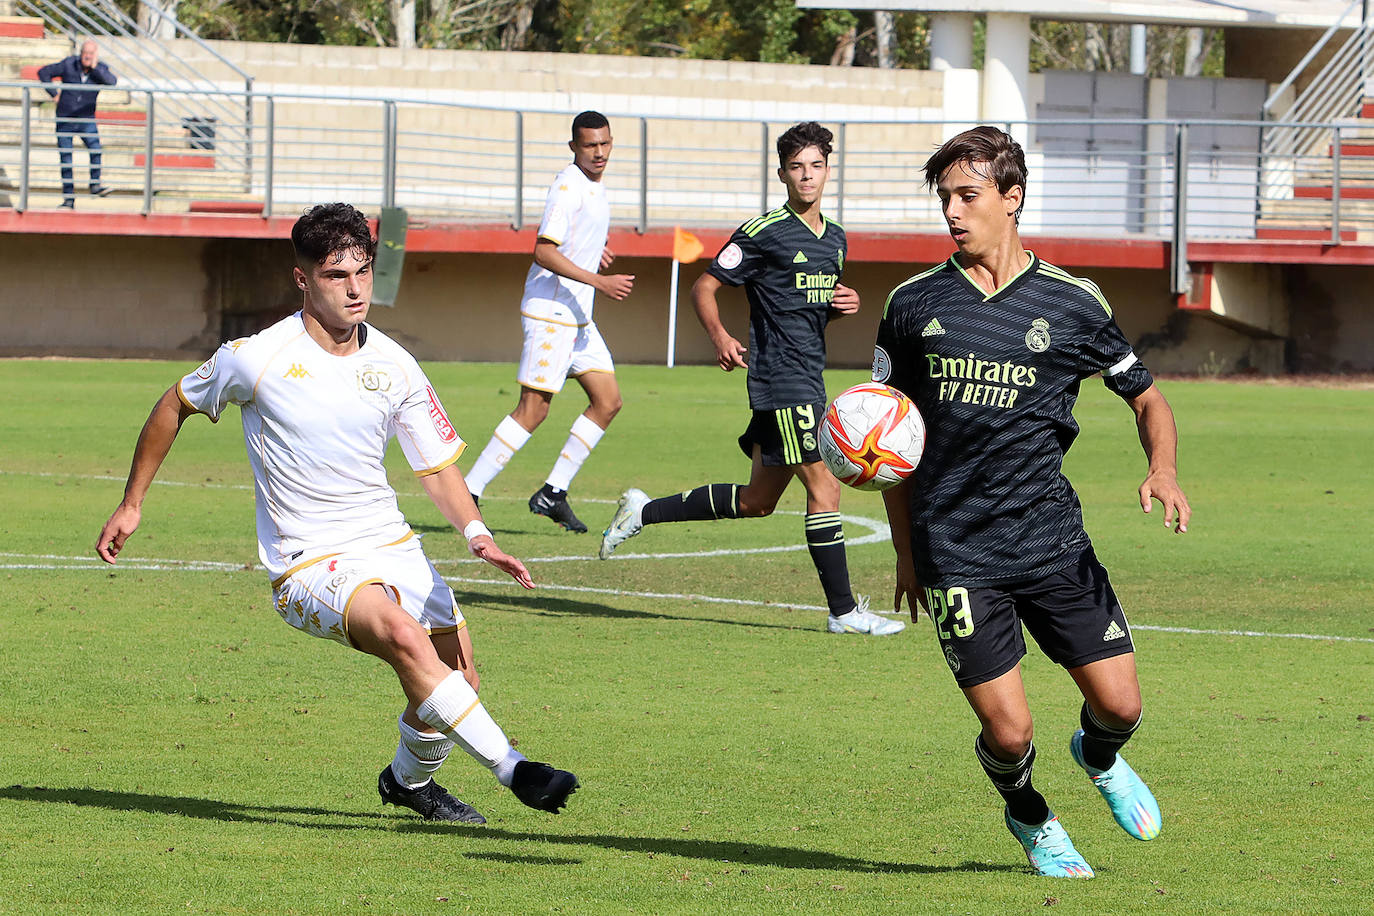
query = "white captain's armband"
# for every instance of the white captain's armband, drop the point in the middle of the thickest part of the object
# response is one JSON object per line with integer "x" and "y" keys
{"x": 1122, "y": 366}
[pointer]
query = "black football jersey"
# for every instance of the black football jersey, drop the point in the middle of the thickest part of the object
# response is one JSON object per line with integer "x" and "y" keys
{"x": 789, "y": 274}
{"x": 995, "y": 377}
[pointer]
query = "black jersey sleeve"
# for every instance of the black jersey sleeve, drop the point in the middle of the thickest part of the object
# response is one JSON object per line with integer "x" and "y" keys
{"x": 741, "y": 260}
{"x": 1109, "y": 352}
{"x": 894, "y": 353}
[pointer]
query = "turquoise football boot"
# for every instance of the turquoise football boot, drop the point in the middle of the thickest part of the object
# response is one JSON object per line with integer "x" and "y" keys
{"x": 1132, "y": 803}
{"x": 1048, "y": 848}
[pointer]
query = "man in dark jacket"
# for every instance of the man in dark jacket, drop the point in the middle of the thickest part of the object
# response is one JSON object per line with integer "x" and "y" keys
{"x": 76, "y": 113}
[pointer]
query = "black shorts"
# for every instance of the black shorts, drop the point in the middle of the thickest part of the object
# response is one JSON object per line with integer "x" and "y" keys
{"x": 1073, "y": 615}
{"x": 786, "y": 435}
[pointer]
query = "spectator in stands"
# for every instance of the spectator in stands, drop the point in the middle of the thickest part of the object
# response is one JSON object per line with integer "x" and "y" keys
{"x": 76, "y": 113}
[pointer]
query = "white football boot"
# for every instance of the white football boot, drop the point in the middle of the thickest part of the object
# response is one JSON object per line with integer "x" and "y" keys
{"x": 626, "y": 523}
{"x": 862, "y": 620}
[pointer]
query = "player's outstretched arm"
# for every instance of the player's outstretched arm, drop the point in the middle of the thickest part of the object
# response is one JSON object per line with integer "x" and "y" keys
{"x": 1159, "y": 437}
{"x": 730, "y": 353}
{"x": 846, "y": 301}
{"x": 547, "y": 256}
{"x": 154, "y": 442}
{"x": 898, "y": 502}
{"x": 449, "y": 492}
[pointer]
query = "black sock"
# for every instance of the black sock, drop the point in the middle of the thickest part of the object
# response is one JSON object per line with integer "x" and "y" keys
{"x": 825, "y": 543}
{"x": 712, "y": 501}
{"x": 1013, "y": 780}
{"x": 1101, "y": 742}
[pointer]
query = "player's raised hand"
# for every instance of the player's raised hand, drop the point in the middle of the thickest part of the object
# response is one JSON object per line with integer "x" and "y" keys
{"x": 846, "y": 300}
{"x": 484, "y": 548}
{"x": 117, "y": 530}
{"x": 607, "y": 257}
{"x": 1163, "y": 486}
{"x": 731, "y": 354}
{"x": 617, "y": 286}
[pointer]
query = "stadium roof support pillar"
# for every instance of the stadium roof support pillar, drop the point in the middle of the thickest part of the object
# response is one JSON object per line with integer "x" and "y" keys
{"x": 1006, "y": 71}
{"x": 951, "y": 41}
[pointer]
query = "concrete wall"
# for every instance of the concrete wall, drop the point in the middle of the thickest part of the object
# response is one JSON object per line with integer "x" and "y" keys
{"x": 124, "y": 296}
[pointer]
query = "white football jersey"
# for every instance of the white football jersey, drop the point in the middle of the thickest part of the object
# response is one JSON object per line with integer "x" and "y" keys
{"x": 577, "y": 217}
{"x": 316, "y": 427}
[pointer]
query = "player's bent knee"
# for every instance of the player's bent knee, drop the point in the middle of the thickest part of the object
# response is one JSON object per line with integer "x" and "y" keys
{"x": 1010, "y": 740}
{"x": 750, "y": 509}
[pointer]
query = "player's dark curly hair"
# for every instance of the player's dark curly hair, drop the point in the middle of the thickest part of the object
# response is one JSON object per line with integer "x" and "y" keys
{"x": 800, "y": 136}
{"x": 988, "y": 152}
{"x": 328, "y": 229}
{"x": 588, "y": 120}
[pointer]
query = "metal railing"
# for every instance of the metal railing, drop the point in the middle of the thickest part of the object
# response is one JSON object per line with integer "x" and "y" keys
{"x": 454, "y": 163}
{"x": 1334, "y": 93}
{"x": 135, "y": 55}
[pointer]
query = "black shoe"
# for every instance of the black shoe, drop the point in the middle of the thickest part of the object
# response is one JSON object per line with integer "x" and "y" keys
{"x": 554, "y": 504}
{"x": 430, "y": 801}
{"x": 68, "y": 203}
{"x": 541, "y": 786}
{"x": 100, "y": 190}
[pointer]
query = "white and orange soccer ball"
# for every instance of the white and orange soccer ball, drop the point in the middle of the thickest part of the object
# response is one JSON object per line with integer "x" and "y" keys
{"x": 872, "y": 437}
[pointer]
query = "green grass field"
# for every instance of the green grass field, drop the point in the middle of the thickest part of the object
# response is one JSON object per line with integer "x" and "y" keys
{"x": 170, "y": 745}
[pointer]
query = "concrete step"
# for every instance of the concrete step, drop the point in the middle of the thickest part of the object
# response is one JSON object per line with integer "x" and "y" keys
{"x": 49, "y": 48}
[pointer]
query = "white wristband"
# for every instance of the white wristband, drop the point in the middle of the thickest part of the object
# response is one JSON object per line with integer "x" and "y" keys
{"x": 476, "y": 528}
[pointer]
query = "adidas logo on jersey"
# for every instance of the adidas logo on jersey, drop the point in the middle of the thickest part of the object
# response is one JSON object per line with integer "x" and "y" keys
{"x": 799, "y": 259}
{"x": 1114, "y": 631}
{"x": 933, "y": 329}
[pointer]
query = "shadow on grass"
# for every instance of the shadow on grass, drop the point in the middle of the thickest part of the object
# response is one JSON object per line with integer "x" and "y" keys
{"x": 760, "y": 854}
{"x": 556, "y": 605}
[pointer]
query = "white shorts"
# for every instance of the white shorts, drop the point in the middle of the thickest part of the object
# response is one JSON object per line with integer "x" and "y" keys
{"x": 315, "y": 596}
{"x": 554, "y": 350}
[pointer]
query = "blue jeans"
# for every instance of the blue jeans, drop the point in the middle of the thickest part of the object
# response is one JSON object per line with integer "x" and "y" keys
{"x": 86, "y": 130}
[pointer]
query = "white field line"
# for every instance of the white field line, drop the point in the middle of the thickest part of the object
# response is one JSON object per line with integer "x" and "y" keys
{"x": 878, "y": 532}
{"x": 55, "y": 561}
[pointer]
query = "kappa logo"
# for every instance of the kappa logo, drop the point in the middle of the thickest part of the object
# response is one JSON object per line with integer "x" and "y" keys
{"x": 1038, "y": 337}
{"x": 799, "y": 259}
{"x": 297, "y": 371}
{"x": 933, "y": 329}
{"x": 1114, "y": 631}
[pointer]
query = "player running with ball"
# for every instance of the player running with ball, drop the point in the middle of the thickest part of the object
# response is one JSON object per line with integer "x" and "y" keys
{"x": 992, "y": 346}
{"x": 789, "y": 262}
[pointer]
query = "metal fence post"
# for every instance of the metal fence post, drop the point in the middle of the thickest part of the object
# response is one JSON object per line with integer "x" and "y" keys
{"x": 1181, "y": 280}
{"x": 1336, "y": 188}
{"x": 763, "y": 179}
{"x": 389, "y": 154}
{"x": 248, "y": 131}
{"x": 149, "y": 133}
{"x": 518, "y": 210}
{"x": 643, "y": 175}
{"x": 839, "y": 179}
{"x": 269, "y": 167}
{"x": 25, "y": 147}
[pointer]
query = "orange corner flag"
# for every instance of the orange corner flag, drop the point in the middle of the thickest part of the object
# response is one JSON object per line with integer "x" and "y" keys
{"x": 686, "y": 247}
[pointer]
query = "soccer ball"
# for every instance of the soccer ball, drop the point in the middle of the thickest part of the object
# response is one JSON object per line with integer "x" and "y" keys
{"x": 872, "y": 437}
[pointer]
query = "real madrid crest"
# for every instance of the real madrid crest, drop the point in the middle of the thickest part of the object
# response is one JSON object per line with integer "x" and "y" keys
{"x": 1038, "y": 337}
{"x": 952, "y": 659}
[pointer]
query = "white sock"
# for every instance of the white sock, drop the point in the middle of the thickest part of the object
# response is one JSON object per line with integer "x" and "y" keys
{"x": 508, "y": 439}
{"x": 583, "y": 437}
{"x": 419, "y": 755}
{"x": 454, "y": 709}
